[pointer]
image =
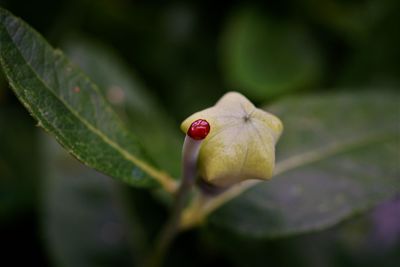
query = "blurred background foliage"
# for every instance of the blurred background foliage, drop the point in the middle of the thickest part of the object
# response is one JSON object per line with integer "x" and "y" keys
{"x": 184, "y": 55}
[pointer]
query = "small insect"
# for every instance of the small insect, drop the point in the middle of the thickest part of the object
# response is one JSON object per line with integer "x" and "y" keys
{"x": 199, "y": 129}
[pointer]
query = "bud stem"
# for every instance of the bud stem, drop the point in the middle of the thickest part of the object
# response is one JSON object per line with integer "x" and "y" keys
{"x": 190, "y": 153}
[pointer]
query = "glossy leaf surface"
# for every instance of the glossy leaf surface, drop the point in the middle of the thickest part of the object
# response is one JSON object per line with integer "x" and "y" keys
{"x": 71, "y": 107}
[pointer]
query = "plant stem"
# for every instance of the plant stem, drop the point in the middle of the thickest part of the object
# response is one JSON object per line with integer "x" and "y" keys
{"x": 190, "y": 153}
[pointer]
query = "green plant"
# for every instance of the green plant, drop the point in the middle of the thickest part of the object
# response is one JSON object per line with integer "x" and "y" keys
{"x": 331, "y": 163}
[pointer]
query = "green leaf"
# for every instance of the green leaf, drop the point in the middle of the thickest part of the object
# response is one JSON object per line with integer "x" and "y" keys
{"x": 84, "y": 218}
{"x": 265, "y": 57}
{"x": 70, "y": 106}
{"x": 338, "y": 156}
{"x": 132, "y": 101}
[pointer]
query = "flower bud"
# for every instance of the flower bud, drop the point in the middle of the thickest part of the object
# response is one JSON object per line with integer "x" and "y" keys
{"x": 241, "y": 144}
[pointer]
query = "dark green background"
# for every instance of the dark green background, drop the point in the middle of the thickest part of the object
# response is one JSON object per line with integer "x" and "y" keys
{"x": 188, "y": 53}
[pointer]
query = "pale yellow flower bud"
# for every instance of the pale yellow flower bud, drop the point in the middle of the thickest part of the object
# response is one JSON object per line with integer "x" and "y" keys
{"x": 241, "y": 144}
